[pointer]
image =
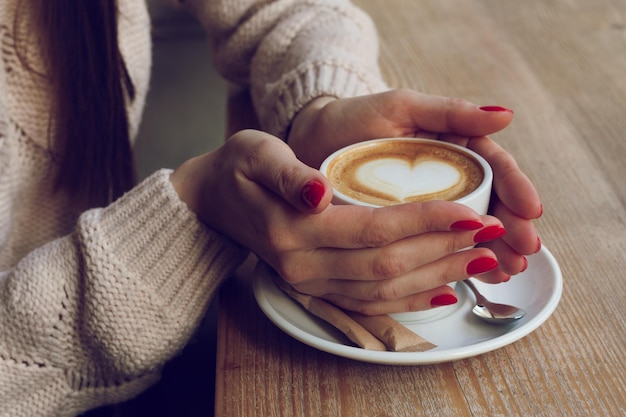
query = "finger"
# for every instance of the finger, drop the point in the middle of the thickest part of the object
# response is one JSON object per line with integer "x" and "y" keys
{"x": 454, "y": 267}
{"x": 398, "y": 258}
{"x": 510, "y": 262}
{"x": 511, "y": 185}
{"x": 428, "y": 113}
{"x": 496, "y": 276}
{"x": 363, "y": 227}
{"x": 273, "y": 164}
{"x": 521, "y": 233}
{"x": 437, "y": 297}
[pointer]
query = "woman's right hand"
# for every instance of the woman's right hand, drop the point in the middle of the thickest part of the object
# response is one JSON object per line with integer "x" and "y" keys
{"x": 375, "y": 261}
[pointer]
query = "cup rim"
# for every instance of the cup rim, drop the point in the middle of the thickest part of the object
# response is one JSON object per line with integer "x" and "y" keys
{"x": 485, "y": 183}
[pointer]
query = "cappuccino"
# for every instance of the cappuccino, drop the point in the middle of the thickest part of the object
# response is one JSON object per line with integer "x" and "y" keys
{"x": 394, "y": 171}
{"x": 385, "y": 172}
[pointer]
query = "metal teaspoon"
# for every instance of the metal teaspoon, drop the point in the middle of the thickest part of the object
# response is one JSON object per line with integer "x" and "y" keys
{"x": 493, "y": 312}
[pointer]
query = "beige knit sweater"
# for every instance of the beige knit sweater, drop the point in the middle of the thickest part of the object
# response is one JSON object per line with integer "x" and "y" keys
{"x": 93, "y": 304}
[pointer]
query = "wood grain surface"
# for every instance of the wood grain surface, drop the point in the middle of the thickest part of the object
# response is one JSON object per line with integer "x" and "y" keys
{"x": 561, "y": 66}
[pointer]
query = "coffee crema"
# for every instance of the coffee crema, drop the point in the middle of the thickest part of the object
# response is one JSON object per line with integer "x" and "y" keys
{"x": 401, "y": 171}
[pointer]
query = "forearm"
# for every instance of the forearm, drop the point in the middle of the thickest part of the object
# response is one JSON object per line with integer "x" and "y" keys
{"x": 291, "y": 52}
{"x": 108, "y": 305}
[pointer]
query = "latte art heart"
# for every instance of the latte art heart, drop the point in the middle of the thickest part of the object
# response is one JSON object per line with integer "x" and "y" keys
{"x": 402, "y": 180}
{"x": 393, "y": 171}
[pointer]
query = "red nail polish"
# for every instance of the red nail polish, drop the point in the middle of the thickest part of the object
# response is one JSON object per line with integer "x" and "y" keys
{"x": 495, "y": 108}
{"x": 481, "y": 265}
{"x": 443, "y": 300}
{"x": 525, "y": 265}
{"x": 313, "y": 192}
{"x": 538, "y": 245}
{"x": 489, "y": 233}
{"x": 466, "y": 225}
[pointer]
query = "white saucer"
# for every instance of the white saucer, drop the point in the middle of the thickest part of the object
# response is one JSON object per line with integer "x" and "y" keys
{"x": 457, "y": 333}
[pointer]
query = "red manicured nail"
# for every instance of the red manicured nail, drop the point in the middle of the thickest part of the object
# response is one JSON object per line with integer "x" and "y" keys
{"x": 466, "y": 225}
{"x": 538, "y": 244}
{"x": 495, "y": 108}
{"x": 481, "y": 265}
{"x": 525, "y": 265}
{"x": 443, "y": 300}
{"x": 312, "y": 193}
{"x": 489, "y": 233}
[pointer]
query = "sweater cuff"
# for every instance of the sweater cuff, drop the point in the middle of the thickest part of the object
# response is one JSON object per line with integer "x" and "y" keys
{"x": 154, "y": 249}
{"x": 296, "y": 89}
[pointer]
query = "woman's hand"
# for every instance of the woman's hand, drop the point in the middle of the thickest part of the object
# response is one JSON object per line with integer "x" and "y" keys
{"x": 254, "y": 190}
{"x": 328, "y": 124}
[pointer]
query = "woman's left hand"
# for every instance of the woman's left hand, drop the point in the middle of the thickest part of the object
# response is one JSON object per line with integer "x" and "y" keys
{"x": 328, "y": 124}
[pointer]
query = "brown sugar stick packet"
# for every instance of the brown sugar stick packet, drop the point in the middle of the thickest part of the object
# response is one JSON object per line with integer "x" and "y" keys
{"x": 333, "y": 315}
{"x": 393, "y": 334}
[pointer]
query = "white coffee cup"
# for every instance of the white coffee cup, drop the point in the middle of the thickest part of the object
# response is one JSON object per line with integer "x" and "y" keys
{"x": 390, "y": 171}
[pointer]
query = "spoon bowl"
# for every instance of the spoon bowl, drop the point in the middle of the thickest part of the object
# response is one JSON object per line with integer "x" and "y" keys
{"x": 491, "y": 312}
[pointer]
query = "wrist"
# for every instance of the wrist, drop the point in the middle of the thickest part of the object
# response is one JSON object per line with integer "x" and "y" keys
{"x": 306, "y": 113}
{"x": 316, "y": 104}
{"x": 186, "y": 181}
{"x": 303, "y": 128}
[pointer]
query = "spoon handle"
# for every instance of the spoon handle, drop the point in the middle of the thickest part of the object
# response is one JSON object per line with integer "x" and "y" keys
{"x": 479, "y": 297}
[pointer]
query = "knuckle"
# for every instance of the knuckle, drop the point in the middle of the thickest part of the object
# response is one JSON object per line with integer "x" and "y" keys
{"x": 367, "y": 309}
{"x": 413, "y": 304}
{"x": 373, "y": 238}
{"x": 284, "y": 178}
{"x": 387, "y": 290}
{"x": 451, "y": 105}
{"x": 277, "y": 239}
{"x": 292, "y": 272}
{"x": 373, "y": 234}
{"x": 281, "y": 249}
{"x": 504, "y": 164}
{"x": 260, "y": 148}
{"x": 431, "y": 218}
{"x": 251, "y": 155}
{"x": 400, "y": 94}
{"x": 456, "y": 243}
{"x": 394, "y": 102}
{"x": 390, "y": 264}
{"x": 454, "y": 102}
{"x": 446, "y": 273}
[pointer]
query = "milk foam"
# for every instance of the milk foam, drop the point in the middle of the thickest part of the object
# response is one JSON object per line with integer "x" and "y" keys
{"x": 401, "y": 179}
{"x": 399, "y": 171}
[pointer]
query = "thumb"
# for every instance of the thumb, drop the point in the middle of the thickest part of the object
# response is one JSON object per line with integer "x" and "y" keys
{"x": 429, "y": 113}
{"x": 277, "y": 168}
{"x": 315, "y": 195}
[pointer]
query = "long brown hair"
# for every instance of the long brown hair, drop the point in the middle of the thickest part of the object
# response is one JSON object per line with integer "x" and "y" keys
{"x": 90, "y": 84}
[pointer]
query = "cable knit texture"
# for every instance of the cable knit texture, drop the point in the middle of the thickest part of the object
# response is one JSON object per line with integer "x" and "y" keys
{"x": 93, "y": 304}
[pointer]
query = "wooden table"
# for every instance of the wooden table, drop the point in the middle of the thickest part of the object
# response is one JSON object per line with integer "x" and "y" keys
{"x": 562, "y": 67}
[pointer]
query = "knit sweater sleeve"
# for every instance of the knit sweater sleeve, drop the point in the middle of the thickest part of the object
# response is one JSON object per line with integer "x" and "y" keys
{"x": 292, "y": 51}
{"x": 89, "y": 318}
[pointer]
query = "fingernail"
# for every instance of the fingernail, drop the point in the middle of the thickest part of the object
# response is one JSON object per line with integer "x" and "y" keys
{"x": 538, "y": 244}
{"x": 495, "y": 108}
{"x": 466, "y": 225}
{"x": 443, "y": 300}
{"x": 481, "y": 265}
{"x": 525, "y": 265}
{"x": 540, "y": 211}
{"x": 489, "y": 233}
{"x": 312, "y": 193}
